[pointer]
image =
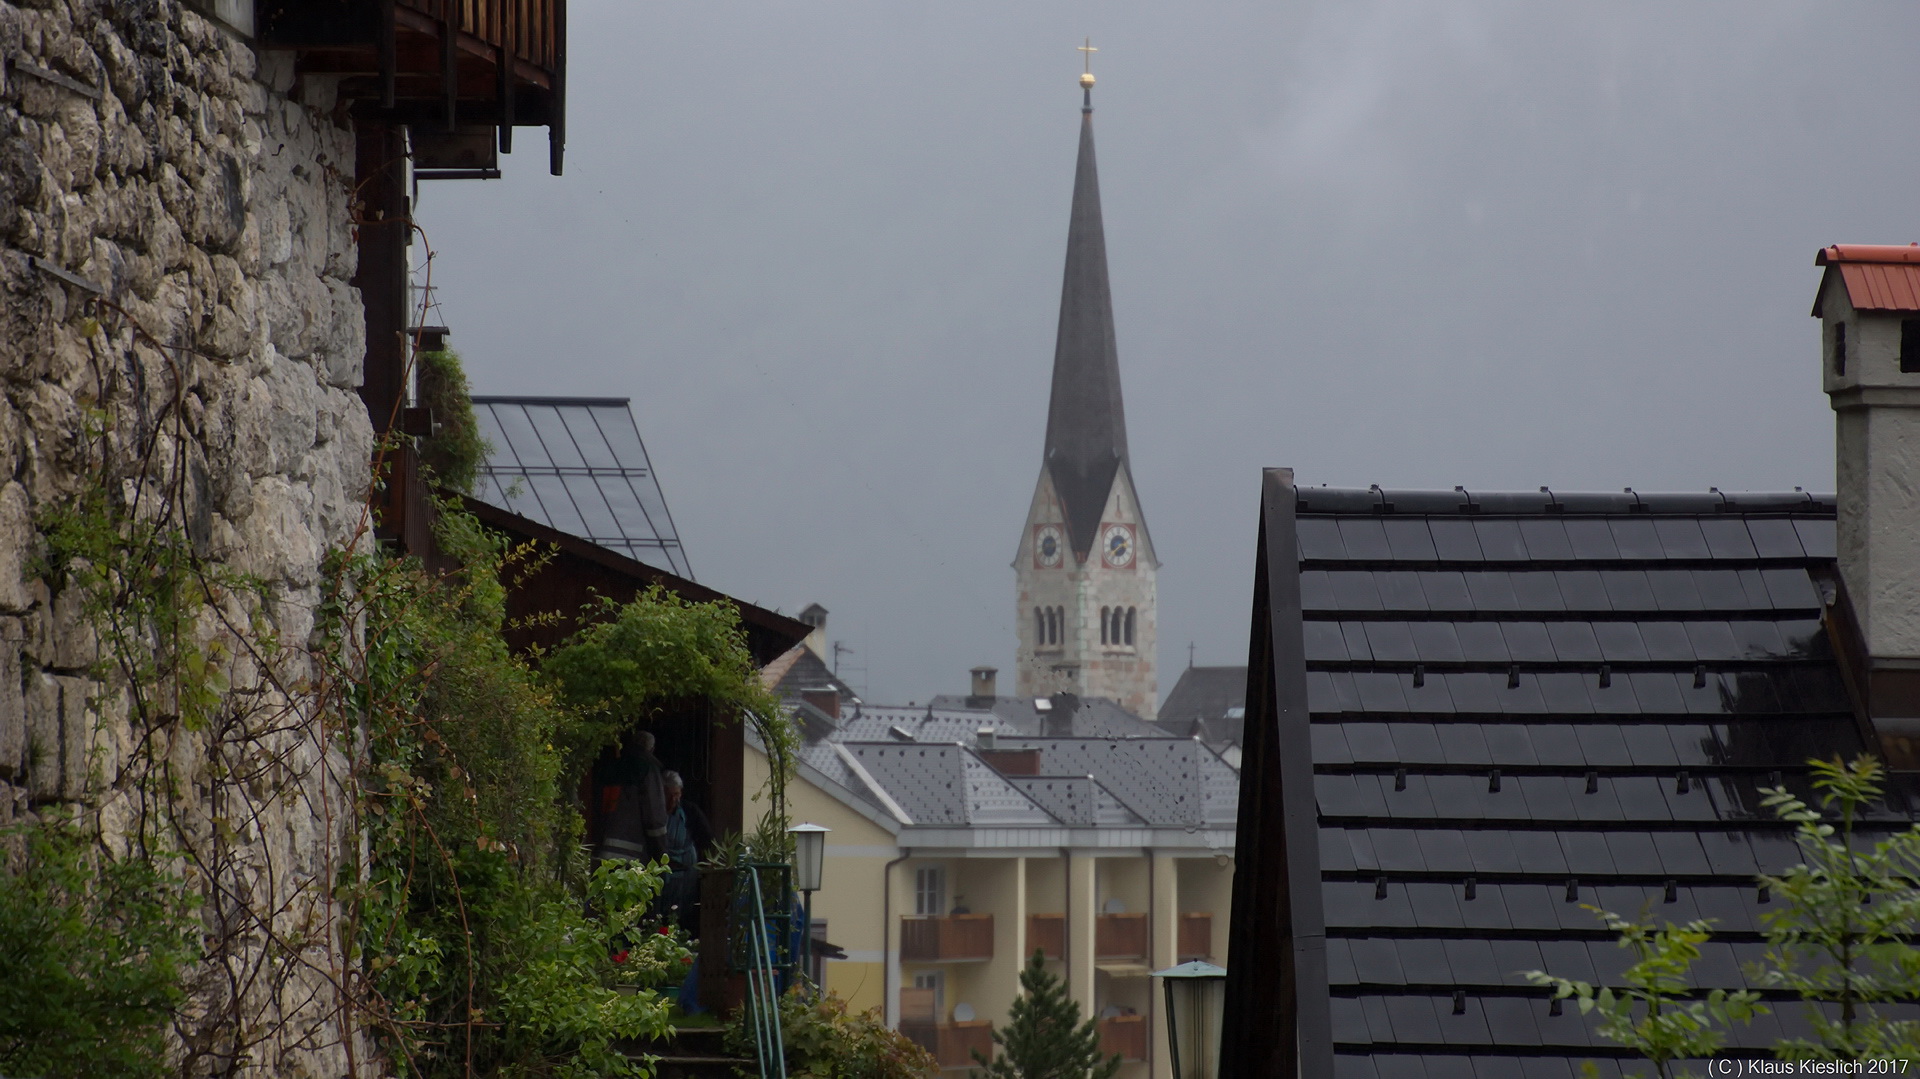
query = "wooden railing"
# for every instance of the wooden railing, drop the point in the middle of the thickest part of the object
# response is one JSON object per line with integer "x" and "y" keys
{"x": 529, "y": 28}
{"x": 1125, "y": 1035}
{"x": 1120, "y": 936}
{"x": 1196, "y": 937}
{"x": 944, "y": 938}
{"x": 1047, "y": 933}
{"x": 952, "y": 1044}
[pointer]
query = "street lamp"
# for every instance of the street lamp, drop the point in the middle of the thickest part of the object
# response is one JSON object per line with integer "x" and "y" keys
{"x": 809, "y": 858}
{"x": 1196, "y": 997}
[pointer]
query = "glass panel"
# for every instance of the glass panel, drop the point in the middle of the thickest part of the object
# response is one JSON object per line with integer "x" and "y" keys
{"x": 1627, "y": 589}
{"x": 1319, "y": 538}
{"x": 1500, "y": 540}
{"x": 1379, "y": 692}
{"x": 1728, "y": 538}
{"x": 1546, "y": 539}
{"x": 1636, "y": 539}
{"x": 1680, "y": 537}
{"x": 1354, "y": 590}
{"x": 1536, "y": 590}
{"x": 1335, "y": 855}
{"x": 1583, "y": 590}
{"x": 1758, "y": 640}
{"x": 1492, "y": 852}
{"x": 1602, "y": 745}
{"x": 1316, "y": 592}
{"x": 1376, "y": 961}
{"x": 1324, "y": 641}
{"x": 1648, "y": 745}
{"x": 1409, "y": 540}
{"x": 1666, "y": 641}
{"x": 1556, "y": 745}
{"x": 1364, "y": 538}
{"x": 1370, "y": 742}
{"x": 1400, "y": 590}
{"x": 1774, "y": 537}
{"x": 1472, "y": 692}
{"x": 1527, "y": 641}
{"x": 554, "y": 437}
{"x": 1462, "y": 743}
{"x": 1481, "y": 642}
{"x": 1587, "y": 854}
{"x": 1454, "y": 540}
{"x": 1508, "y": 744}
{"x": 1712, "y": 641}
{"x": 1574, "y": 642}
{"x": 592, "y": 444}
{"x": 1415, "y": 743}
{"x": 1720, "y": 590}
{"x": 1435, "y": 642}
{"x": 1619, "y": 641}
{"x": 1673, "y": 589}
{"x": 1391, "y": 642}
{"x": 1681, "y": 853}
{"x": 1354, "y": 639}
{"x": 1446, "y": 590}
{"x": 1817, "y": 537}
{"x": 1491, "y": 591}
{"x": 1791, "y": 588}
{"x": 1565, "y": 694}
{"x": 1592, "y": 540}
{"x": 1539, "y": 852}
{"x": 556, "y": 506}
{"x": 596, "y": 514}
{"x": 1398, "y": 850}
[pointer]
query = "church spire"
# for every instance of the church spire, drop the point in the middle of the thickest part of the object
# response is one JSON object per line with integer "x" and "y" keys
{"x": 1086, "y": 425}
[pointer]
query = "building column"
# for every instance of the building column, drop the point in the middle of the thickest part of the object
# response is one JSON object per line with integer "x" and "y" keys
{"x": 1082, "y": 905}
{"x": 1164, "y": 933}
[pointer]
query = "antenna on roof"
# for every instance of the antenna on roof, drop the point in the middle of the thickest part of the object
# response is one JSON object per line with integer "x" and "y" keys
{"x": 1189, "y": 654}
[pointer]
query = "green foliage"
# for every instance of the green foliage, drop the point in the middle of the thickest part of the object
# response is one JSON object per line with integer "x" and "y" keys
{"x": 1044, "y": 1038}
{"x": 93, "y": 948}
{"x": 824, "y": 1040}
{"x": 455, "y": 450}
{"x": 1655, "y": 1014}
{"x": 487, "y": 947}
{"x": 1844, "y": 920}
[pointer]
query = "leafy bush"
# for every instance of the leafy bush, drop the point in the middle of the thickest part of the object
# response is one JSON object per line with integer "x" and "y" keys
{"x": 455, "y": 451}
{"x": 824, "y": 1040}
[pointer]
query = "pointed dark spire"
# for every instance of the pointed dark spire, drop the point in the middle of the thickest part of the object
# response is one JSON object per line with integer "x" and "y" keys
{"x": 1086, "y": 425}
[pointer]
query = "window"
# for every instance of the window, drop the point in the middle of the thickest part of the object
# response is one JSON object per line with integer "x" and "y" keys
{"x": 930, "y": 890}
{"x": 1129, "y": 627}
{"x": 1840, "y": 348}
{"x": 1910, "y": 345}
{"x": 1103, "y": 626}
{"x": 1051, "y": 633}
{"x": 1039, "y": 627}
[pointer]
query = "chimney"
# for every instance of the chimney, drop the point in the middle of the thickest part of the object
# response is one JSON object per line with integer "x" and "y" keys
{"x": 816, "y": 616}
{"x": 1869, "y": 311}
{"x": 825, "y": 698}
{"x": 986, "y": 738}
{"x": 983, "y": 688}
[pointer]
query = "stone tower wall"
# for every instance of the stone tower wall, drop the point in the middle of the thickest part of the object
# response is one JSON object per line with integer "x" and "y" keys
{"x": 178, "y": 329}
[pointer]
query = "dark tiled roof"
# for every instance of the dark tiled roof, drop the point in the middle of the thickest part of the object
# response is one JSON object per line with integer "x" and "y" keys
{"x": 1517, "y": 708}
{"x": 1207, "y": 703}
{"x": 578, "y": 465}
{"x": 809, "y": 673}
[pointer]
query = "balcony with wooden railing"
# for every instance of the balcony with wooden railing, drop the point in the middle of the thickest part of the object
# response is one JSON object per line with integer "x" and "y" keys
{"x": 1047, "y": 933}
{"x": 952, "y": 1044}
{"x": 1120, "y": 937}
{"x": 462, "y": 74}
{"x": 946, "y": 938}
{"x": 1196, "y": 937}
{"x": 1125, "y": 1035}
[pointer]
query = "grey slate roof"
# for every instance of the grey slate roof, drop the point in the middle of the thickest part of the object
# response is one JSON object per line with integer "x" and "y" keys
{"x": 1160, "y": 780}
{"x": 1207, "y": 702}
{"x": 577, "y": 464}
{"x": 945, "y": 785}
{"x": 1083, "y": 717}
{"x": 1518, "y": 701}
{"x": 1086, "y": 422}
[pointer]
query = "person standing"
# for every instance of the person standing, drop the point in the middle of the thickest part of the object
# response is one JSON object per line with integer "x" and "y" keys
{"x": 636, "y": 829}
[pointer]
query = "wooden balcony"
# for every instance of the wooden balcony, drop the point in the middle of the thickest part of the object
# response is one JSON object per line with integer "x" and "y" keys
{"x": 946, "y": 938}
{"x": 1047, "y": 933}
{"x": 462, "y": 74}
{"x": 952, "y": 1044}
{"x": 1125, "y": 1035}
{"x": 1120, "y": 936}
{"x": 1196, "y": 937}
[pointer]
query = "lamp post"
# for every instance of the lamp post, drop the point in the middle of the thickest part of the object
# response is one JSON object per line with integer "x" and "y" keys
{"x": 809, "y": 858}
{"x": 1196, "y": 997}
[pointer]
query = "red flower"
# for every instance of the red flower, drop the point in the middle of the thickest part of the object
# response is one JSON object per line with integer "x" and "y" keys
{"x": 620, "y": 956}
{"x": 687, "y": 959}
{"x": 665, "y": 932}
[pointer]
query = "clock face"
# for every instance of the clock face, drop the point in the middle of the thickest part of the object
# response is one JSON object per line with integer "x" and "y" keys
{"x": 1047, "y": 546}
{"x": 1116, "y": 545}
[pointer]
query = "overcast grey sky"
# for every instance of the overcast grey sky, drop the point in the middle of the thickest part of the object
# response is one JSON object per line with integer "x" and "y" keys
{"x": 1409, "y": 243}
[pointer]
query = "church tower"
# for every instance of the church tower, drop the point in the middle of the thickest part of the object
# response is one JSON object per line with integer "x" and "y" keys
{"x": 1085, "y": 570}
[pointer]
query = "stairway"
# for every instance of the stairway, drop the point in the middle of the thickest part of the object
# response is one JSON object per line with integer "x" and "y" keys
{"x": 696, "y": 1053}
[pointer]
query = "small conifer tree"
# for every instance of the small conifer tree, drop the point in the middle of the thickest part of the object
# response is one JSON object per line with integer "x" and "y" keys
{"x": 1044, "y": 1038}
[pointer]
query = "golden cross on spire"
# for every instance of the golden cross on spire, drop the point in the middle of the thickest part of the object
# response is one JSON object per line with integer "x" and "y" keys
{"x": 1087, "y": 52}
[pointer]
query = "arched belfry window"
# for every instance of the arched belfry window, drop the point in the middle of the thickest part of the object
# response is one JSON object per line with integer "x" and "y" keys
{"x": 1039, "y": 626}
{"x": 1104, "y": 626}
{"x": 1129, "y": 627}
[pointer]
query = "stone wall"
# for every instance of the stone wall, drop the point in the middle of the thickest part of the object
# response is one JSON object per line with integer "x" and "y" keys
{"x": 178, "y": 329}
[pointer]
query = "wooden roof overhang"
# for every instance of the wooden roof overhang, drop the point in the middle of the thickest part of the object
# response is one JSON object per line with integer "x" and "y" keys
{"x": 462, "y": 74}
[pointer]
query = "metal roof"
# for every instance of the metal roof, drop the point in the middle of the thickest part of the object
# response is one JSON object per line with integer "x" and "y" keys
{"x": 577, "y": 464}
{"x": 1878, "y": 277}
{"x": 1518, "y": 704}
